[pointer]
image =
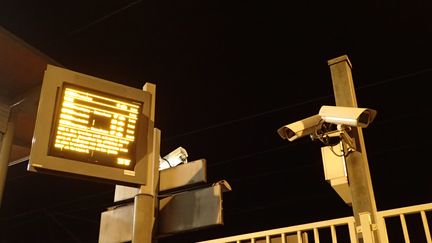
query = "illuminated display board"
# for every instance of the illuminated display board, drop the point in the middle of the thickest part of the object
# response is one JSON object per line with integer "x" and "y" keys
{"x": 95, "y": 128}
{"x": 92, "y": 127}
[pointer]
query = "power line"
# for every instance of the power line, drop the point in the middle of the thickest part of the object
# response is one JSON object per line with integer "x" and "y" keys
{"x": 250, "y": 155}
{"x": 378, "y": 83}
{"x": 105, "y": 17}
{"x": 389, "y": 80}
{"x": 246, "y": 118}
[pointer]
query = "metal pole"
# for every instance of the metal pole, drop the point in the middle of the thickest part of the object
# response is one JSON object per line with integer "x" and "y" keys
{"x": 363, "y": 199}
{"x": 146, "y": 201}
{"x": 6, "y": 144}
{"x": 143, "y": 220}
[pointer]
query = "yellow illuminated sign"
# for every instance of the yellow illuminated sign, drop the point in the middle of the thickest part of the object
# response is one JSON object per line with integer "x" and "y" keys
{"x": 94, "y": 127}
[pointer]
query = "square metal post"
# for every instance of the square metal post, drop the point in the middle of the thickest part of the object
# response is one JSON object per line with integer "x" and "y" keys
{"x": 363, "y": 199}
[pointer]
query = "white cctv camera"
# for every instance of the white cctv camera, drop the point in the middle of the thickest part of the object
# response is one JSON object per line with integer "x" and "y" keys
{"x": 300, "y": 128}
{"x": 349, "y": 116}
{"x": 321, "y": 124}
{"x": 174, "y": 158}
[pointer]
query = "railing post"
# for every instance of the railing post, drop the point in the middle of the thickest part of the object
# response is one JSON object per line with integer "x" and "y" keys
{"x": 366, "y": 227}
{"x": 382, "y": 229}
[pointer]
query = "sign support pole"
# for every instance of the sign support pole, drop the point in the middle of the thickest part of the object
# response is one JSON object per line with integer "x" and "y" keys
{"x": 146, "y": 201}
{"x": 363, "y": 199}
{"x": 145, "y": 204}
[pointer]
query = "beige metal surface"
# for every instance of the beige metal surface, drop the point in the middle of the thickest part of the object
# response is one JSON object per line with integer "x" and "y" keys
{"x": 191, "y": 210}
{"x": 335, "y": 171}
{"x": 363, "y": 198}
{"x": 146, "y": 201}
{"x": 400, "y": 213}
{"x": 278, "y": 234}
{"x": 124, "y": 193}
{"x": 181, "y": 176}
{"x": 341, "y": 186}
{"x": 186, "y": 211}
{"x": 116, "y": 225}
{"x": 333, "y": 162}
{"x": 366, "y": 228}
{"x": 426, "y": 226}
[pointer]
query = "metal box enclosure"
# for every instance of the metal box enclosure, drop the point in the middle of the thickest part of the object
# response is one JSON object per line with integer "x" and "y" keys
{"x": 335, "y": 171}
{"x": 334, "y": 165}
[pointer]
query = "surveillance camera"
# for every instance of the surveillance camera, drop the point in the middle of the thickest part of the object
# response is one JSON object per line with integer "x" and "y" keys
{"x": 300, "y": 128}
{"x": 350, "y": 116}
{"x": 174, "y": 158}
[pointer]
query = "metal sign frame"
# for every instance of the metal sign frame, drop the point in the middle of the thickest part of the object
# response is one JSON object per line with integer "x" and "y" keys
{"x": 55, "y": 80}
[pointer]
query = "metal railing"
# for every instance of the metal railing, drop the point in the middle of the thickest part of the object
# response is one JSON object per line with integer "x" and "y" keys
{"x": 323, "y": 230}
{"x": 393, "y": 223}
{"x": 406, "y": 224}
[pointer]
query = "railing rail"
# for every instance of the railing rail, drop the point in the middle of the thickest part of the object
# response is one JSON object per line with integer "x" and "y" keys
{"x": 401, "y": 213}
{"x": 301, "y": 233}
{"x": 294, "y": 234}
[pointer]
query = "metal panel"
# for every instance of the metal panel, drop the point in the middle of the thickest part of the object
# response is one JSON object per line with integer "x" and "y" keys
{"x": 191, "y": 210}
{"x": 181, "y": 176}
{"x": 335, "y": 171}
{"x": 333, "y": 162}
{"x": 124, "y": 193}
{"x": 186, "y": 211}
{"x": 342, "y": 187}
{"x": 116, "y": 225}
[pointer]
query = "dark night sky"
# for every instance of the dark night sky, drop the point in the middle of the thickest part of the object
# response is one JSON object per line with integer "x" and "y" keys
{"x": 228, "y": 75}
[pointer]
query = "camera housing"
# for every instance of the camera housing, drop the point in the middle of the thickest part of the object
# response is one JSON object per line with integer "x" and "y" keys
{"x": 328, "y": 116}
{"x": 350, "y": 116}
{"x": 300, "y": 128}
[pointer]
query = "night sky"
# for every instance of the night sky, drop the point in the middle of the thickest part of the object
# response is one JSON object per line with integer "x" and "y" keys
{"x": 228, "y": 75}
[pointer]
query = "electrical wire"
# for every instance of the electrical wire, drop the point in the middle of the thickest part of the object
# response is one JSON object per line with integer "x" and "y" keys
{"x": 222, "y": 124}
{"x": 389, "y": 80}
{"x": 105, "y": 17}
{"x": 246, "y": 118}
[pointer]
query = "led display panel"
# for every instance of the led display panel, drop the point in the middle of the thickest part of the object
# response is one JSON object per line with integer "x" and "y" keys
{"x": 92, "y": 127}
{"x": 95, "y": 128}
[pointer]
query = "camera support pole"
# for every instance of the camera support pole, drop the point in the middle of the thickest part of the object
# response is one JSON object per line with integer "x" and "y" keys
{"x": 359, "y": 178}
